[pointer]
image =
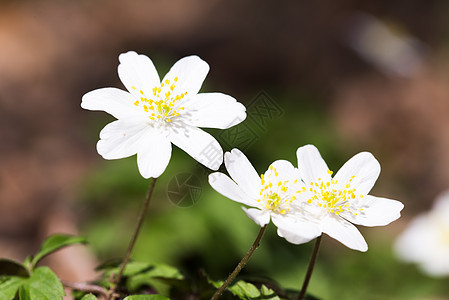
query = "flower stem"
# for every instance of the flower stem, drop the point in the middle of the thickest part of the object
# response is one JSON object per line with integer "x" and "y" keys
{"x": 241, "y": 264}
{"x": 140, "y": 218}
{"x": 310, "y": 268}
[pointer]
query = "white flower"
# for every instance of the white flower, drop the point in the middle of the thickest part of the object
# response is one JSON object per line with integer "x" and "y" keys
{"x": 154, "y": 114}
{"x": 426, "y": 239}
{"x": 334, "y": 203}
{"x": 271, "y": 195}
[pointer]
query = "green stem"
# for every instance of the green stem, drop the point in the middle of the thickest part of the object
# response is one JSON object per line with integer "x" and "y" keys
{"x": 241, "y": 264}
{"x": 310, "y": 268}
{"x": 133, "y": 239}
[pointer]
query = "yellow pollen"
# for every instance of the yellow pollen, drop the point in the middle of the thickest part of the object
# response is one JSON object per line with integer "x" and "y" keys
{"x": 328, "y": 195}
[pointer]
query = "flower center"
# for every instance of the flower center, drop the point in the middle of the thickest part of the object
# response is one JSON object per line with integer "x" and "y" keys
{"x": 274, "y": 194}
{"x": 333, "y": 198}
{"x": 162, "y": 104}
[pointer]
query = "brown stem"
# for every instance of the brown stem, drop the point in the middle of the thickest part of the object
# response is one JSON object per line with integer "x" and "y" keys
{"x": 86, "y": 287}
{"x": 133, "y": 239}
{"x": 310, "y": 268}
{"x": 241, "y": 264}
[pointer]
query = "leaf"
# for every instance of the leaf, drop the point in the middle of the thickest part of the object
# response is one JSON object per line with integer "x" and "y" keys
{"x": 156, "y": 272}
{"x": 43, "y": 285}
{"x": 12, "y": 268}
{"x": 147, "y": 297}
{"x": 9, "y": 287}
{"x": 244, "y": 290}
{"x": 268, "y": 293}
{"x": 54, "y": 243}
{"x": 89, "y": 297}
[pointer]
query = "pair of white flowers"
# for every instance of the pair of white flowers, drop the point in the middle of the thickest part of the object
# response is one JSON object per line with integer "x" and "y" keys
{"x": 302, "y": 202}
{"x": 307, "y": 201}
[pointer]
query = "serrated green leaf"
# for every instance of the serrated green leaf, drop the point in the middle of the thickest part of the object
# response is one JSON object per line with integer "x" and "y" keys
{"x": 11, "y": 268}
{"x": 44, "y": 285}
{"x": 54, "y": 243}
{"x": 244, "y": 290}
{"x": 9, "y": 287}
{"x": 89, "y": 297}
{"x": 147, "y": 297}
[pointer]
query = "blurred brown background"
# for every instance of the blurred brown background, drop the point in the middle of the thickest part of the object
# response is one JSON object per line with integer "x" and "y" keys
{"x": 377, "y": 69}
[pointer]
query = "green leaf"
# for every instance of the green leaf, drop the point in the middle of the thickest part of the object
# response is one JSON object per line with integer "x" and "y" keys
{"x": 244, "y": 290}
{"x": 43, "y": 285}
{"x": 89, "y": 297}
{"x": 154, "y": 274}
{"x": 147, "y": 297}
{"x": 54, "y": 243}
{"x": 24, "y": 291}
{"x": 268, "y": 293}
{"x": 12, "y": 268}
{"x": 9, "y": 287}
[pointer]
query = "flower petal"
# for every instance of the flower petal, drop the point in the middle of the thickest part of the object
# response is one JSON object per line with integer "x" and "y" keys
{"x": 191, "y": 72}
{"x": 344, "y": 232}
{"x": 294, "y": 230}
{"x": 116, "y": 102}
{"x": 213, "y": 110}
{"x": 243, "y": 172}
{"x": 199, "y": 144}
{"x": 311, "y": 165}
{"x": 365, "y": 169}
{"x": 285, "y": 169}
{"x": 261, "y": 217}
{"x": 228, "y": 188}
{"x": 121, "y": 138}
{"x": 137, "y": 72}
{"x": 374, "y": 211}
{"x": 153, "y": 155}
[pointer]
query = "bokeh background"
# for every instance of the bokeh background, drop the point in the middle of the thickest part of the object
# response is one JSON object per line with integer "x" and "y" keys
{"x": 345, "y": 75}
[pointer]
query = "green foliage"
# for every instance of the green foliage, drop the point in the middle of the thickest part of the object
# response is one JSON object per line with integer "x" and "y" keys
{"x": 31, "y": 283}
{"x": 89, "y": 297}
{"x": 43, "y": 285}
{"x": 9, "y": 287}
{"x": 147, "y": 297}
{"x": 54, "y": 243}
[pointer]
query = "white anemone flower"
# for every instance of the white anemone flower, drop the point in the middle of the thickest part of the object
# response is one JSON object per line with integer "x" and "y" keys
{"x": 270, "y": 195}
{"x": 333, "y": 203}
{"x": 426, "y": 239}
{"x": 153, "y": 114}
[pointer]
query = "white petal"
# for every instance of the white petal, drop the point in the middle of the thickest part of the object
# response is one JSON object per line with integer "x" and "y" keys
{"x": 213, "y": 110}
{"x": 121, "y": 138}
{"x": 311, "y": 165}
{"x": 228, "y": 188}
{"x": 116, "y": 102}
{"x": 199, "y": 144}
{"x": 366, "y": 170}
{"x": 191, "y": 72}
{"x": 137, "y": 72}
{"x": 294, "y": 230}
{"x": 242, "y": 172}
{"x": 413, "y": 244}
{"x": 344, "y": 232}
{"x": 261, "y": 217}
{"x": 154, "y": 155}
{"x": 285, "y": 169}
{"x": 375, "y": 211}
